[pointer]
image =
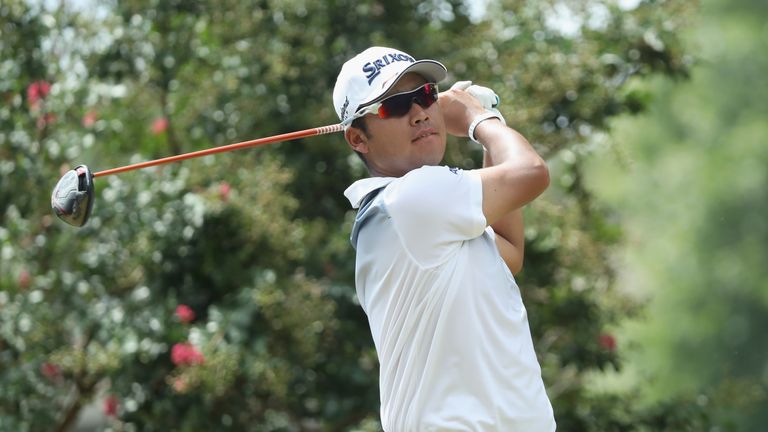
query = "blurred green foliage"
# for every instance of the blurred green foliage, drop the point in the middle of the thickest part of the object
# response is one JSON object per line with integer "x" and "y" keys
{"x": 256, "y": 242}
{"x": 691, "y": 184}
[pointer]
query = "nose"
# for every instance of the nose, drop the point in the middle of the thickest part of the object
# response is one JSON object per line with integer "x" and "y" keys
{"x": 418, "y": 113}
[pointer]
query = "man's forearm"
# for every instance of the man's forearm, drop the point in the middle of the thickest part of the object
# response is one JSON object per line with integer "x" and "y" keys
{"x": 510, "y": 236}
{"x": 517, "y": 174}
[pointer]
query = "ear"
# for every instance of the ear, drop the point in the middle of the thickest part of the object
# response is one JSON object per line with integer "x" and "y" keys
{"x": 357, "y": 139}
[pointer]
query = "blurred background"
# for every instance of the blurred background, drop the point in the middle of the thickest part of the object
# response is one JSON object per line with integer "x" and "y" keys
{"x": 218, "y": 293}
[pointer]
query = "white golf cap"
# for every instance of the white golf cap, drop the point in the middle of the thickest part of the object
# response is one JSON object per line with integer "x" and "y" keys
{"x": 365, "y": 78}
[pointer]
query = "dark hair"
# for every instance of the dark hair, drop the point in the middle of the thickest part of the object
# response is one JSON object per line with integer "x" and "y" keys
{"x": 360, "y": 123}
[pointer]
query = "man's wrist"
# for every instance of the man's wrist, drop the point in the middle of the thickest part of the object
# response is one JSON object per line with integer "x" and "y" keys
{"x": 479, "y": 119}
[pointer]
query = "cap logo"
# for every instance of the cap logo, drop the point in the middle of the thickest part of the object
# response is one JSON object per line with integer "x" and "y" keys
{"x": 373, "y": 69}
{"x": 344, "y": 109}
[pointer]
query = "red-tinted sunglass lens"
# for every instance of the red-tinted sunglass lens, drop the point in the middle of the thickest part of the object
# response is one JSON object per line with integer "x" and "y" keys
{"x": 399, "y": 105}
{"x": 426, "y": 96}
{"x": 396, "y": 106}
{"x": 385, "y": 111}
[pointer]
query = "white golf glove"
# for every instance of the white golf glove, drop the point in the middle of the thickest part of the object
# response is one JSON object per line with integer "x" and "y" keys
{"x": 487, "y": 97}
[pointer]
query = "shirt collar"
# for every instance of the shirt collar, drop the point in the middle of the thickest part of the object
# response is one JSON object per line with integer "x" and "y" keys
{"x": 359, "y": 189}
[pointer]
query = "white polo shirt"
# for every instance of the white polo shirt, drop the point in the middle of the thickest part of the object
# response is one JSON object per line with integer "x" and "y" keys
{"x": 450, "y": 328}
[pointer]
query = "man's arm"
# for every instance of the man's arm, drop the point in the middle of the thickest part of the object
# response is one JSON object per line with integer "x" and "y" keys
{"x": 518, "y": 174}
{"x": 510, "y": 237}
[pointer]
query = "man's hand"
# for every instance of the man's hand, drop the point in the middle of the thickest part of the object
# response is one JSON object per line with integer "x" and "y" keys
{"x": 459, "y": 109}
{"x": 487, "y": 97}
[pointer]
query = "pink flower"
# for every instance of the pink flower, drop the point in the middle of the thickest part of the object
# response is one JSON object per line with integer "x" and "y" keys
{"x": 185, "y": 313}
{"x": 89, "y": 119}
{"x": 186, "y": 354}
{"x": 50, "y": 371}
{"x": 36, "y": 92}
{"x": 25, "y": 279}
{"x": 607, "y": 341}
{"x": 224, "y": 189}
{"x": 110, "y": 406}
{"x": 159, "y": 125}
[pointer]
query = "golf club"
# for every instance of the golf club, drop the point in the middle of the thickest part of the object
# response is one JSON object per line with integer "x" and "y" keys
{"x": 73, "y": 196}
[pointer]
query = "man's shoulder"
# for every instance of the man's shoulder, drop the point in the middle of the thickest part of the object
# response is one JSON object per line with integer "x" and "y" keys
{"x": 424, "y": 180}
{"x": 428, "y": 177}
{"x": 427, "y": 181}
{"x": 433, "y": 171}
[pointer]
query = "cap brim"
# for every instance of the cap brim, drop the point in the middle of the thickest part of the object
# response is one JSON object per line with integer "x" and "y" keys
{"x": 431, "y": 70}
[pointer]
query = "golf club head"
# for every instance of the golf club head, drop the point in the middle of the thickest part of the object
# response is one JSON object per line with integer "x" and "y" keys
{"x": 72, "y": 198}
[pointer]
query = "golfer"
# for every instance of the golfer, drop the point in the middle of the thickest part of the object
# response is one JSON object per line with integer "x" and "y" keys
{"x": 436, "y": 249}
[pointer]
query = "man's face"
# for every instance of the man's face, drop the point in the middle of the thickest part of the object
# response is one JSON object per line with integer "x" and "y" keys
{"x": 397, "y": 145}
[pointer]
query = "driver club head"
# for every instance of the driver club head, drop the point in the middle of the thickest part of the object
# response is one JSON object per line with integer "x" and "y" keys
{"x": 72, "y": 198}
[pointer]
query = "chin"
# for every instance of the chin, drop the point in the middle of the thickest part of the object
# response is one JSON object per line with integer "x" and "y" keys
{"x": 432, "y": 160}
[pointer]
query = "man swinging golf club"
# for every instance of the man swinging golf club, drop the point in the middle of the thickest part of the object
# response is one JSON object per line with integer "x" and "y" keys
{"x": 436, "y": 249}
{"x": 436, "y": 246}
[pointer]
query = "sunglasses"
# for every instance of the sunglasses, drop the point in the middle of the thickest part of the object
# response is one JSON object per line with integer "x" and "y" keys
{"x": 400, "y": 104}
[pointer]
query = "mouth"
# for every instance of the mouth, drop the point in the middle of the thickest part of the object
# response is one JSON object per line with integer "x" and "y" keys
{"x": 423, "y": 134}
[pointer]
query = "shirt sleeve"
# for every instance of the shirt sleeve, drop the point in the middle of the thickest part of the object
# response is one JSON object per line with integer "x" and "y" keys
{"x": 434, "y": 209}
